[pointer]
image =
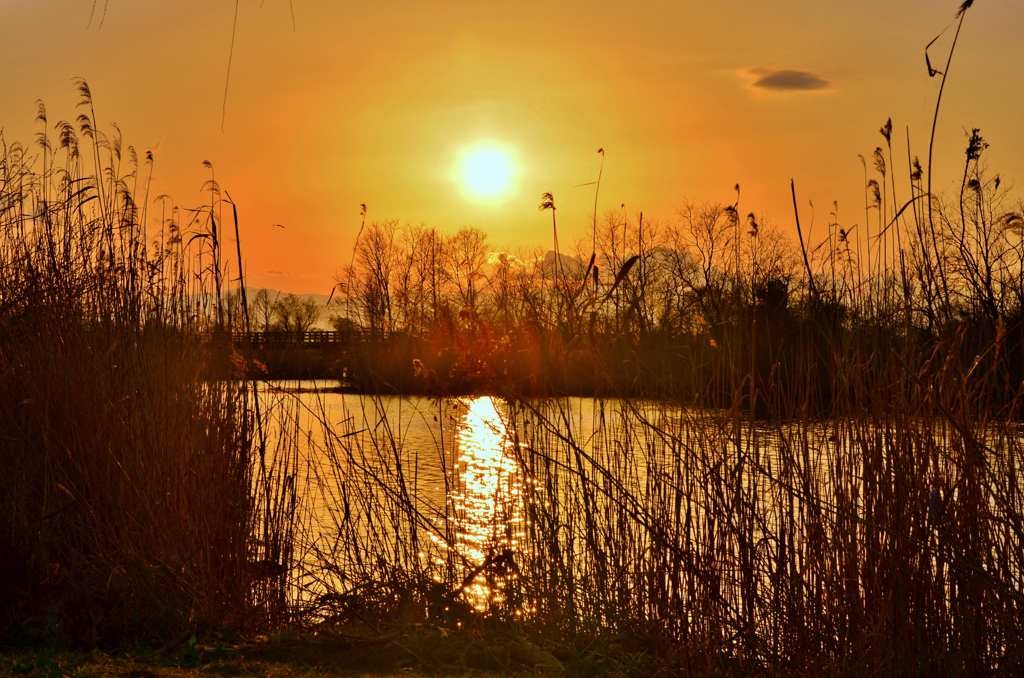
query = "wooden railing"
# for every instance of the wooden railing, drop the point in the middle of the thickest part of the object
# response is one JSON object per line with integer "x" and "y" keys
{"x": 310, "y": 337}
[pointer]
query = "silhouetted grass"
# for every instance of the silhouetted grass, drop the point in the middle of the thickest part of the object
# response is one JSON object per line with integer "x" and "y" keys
{"x": 136, "y": 503}
{"x": 886, "y": 539}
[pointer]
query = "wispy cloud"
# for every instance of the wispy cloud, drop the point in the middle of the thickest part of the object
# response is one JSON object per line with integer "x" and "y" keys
{"x": 279, "y": 273}
{"x": 783, "y": 80}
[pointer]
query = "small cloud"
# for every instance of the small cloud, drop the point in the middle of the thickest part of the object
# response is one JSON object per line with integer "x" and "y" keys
{"x": 783, "y": 80}
{"x": 495, "y": 258}
{"x": 279, "y": 273}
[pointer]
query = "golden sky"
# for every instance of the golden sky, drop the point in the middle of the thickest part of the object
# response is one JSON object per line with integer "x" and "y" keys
{"x": 382, "y": 103}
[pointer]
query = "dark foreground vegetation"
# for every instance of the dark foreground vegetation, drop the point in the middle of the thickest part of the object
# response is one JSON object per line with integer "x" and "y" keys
{"x": 135, "y": 504}
{"x": 830, "y": 484}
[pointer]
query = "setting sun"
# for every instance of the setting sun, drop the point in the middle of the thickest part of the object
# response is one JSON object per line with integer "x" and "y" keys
{"x": 487, "y": 171}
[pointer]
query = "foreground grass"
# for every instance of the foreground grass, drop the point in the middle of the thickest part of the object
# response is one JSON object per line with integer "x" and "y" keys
{"x": 414, "y": 652}
{"x": 98, "y": 665}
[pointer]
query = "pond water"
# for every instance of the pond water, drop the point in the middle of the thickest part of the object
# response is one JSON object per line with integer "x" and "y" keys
{"x": 468, "y": 492}
{"x": 458, "y": 465}
{"x": 366, "y": 464}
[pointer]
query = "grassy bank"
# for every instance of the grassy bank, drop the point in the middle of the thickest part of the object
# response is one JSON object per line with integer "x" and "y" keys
{"x": 280, "y": 657}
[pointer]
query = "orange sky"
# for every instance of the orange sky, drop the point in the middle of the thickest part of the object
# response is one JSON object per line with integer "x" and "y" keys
{"x": 373, "y": 102}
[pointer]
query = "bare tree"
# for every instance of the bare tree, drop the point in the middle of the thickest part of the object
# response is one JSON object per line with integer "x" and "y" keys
{"x": 467, "y": 253}
{"x": 294, "y": 314}
{"x": 377, "y": 256}
{"x": 261, "y": 310}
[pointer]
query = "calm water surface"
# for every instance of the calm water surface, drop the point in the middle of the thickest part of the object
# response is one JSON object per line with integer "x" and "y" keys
{"x": 459, "y": 460}
{"x": 469, "y": 468}
{"x": 456, "y": 458}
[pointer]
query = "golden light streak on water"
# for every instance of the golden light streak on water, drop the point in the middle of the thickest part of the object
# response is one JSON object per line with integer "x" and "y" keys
{"x": 487, "y": 501}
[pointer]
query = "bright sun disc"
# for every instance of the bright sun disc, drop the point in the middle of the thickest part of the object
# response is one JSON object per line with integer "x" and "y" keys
{"x": 487, "y": 171}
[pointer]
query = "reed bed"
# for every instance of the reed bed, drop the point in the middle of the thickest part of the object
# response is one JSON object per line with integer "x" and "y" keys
{"x": 650, "y": 536}
{"x": 136, "y": 508}
{"x": 851, "y": 546}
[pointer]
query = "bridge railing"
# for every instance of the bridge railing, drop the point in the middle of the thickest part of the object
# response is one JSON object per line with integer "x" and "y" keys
{"x": 279, "y": 337}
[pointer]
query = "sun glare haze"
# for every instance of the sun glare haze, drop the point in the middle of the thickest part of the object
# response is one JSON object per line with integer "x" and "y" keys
{"x": 458, "y": 113}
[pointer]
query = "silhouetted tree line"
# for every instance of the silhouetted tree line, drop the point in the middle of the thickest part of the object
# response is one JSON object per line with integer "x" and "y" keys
{"x": 711, "y": 305}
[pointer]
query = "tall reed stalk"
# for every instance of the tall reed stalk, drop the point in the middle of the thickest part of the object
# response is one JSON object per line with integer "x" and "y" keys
{"x": 130, "y": 509}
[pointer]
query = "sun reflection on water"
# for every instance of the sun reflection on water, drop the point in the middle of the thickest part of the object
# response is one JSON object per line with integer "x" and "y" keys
{"x": 487, "y": 501}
